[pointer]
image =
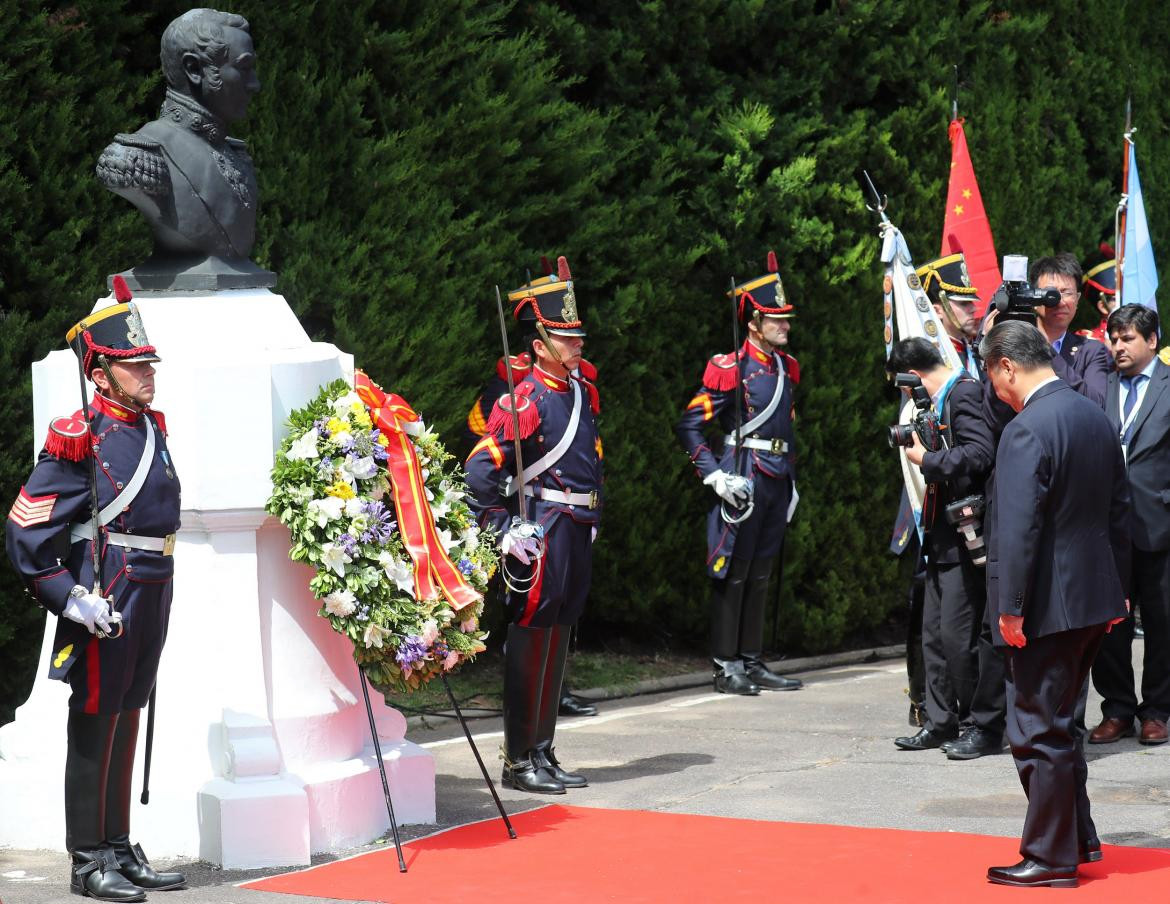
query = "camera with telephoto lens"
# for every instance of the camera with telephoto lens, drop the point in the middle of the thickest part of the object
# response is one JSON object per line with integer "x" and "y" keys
{"x": 925, "y": 422}
{"x": 1016, "y": 299}
{"x": 966, "y": 516}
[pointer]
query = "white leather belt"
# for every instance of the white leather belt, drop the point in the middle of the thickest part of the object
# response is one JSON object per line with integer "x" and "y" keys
{"x": 165, "y": 545}
{"x": 590, "y": 500}
{"x": 775, "y": 446}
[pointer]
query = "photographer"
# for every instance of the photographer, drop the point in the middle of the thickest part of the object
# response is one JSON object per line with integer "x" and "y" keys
{"x": 954, "y": 468}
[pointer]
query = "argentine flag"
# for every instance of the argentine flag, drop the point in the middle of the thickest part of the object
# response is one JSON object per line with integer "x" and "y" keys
{"x": 1139, "y": 277}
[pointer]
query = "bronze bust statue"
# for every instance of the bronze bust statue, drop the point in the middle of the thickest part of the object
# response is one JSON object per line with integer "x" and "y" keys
{"x": 194, "y": 184}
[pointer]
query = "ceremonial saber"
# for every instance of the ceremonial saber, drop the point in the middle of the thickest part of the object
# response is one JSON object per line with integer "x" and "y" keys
{"x": 512, "y": 404}
{"x": 738, "y": 380}
{"x": 146, "y": 756}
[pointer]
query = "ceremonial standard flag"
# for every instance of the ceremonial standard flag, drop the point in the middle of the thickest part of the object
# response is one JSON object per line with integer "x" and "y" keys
{"x": 965, "y": 227}
{"x": 1139, "y": 277}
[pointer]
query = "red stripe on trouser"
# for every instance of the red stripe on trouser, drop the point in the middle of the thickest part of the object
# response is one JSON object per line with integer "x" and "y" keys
{"x": 533, "y": 595}
{"x": 93, "y": 676}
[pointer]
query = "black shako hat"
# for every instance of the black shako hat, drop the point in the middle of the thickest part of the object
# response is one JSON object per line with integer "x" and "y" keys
{"x": 948, "y": 275}
{"x": 115, "y": 332}
{"x": 764, "y": 295}
{"x": 550, "y": 302}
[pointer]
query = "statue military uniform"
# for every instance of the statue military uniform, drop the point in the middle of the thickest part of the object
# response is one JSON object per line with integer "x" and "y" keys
{"x": 561, "y": 482}
{"x": 744, "y": 537}
{"x": 109, "y": 665}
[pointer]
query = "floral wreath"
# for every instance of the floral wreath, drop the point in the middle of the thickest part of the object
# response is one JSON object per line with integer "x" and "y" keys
{"x": 371, "y": 502}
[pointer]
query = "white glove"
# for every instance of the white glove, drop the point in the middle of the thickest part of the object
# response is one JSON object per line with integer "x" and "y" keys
{"x": 91, "y": 610}
{"x": 522, "y": 541}
{"x": 731, "y": 488}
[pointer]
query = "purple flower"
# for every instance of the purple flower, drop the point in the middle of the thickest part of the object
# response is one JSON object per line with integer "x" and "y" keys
{"x": 466, "y": 566}
{"x": 379, "y": 451}
{"x": 382, "y": 525}
{"x": 325, "y": 469}
{"x": 363, "y": 613}
{"x": 413, "y": 649}
{"x": 348, "y": 542}
{"x": 320, "y": 426}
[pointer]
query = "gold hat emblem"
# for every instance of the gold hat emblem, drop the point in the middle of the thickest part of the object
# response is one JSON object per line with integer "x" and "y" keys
{"x": 569, "y": 306}
{"x": 135, "y": 331}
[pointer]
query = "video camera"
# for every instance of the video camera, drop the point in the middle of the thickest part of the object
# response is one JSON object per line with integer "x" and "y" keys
{"x": 925, "y": 422}
{"x": 1016, "y": 299}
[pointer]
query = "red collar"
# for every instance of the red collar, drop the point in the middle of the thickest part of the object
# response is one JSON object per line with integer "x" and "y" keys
{"x": 544, "y": 377}
{"x": 756, "y": 353}
{"x": 114, "y": 410}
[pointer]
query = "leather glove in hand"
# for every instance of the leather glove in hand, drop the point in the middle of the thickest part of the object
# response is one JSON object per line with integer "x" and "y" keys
{"x": 93, "y": 611}
{"x": 731, "y": 488}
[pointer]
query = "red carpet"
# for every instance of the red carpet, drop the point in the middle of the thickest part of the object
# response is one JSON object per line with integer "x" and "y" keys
{"x": 637, "y": 857}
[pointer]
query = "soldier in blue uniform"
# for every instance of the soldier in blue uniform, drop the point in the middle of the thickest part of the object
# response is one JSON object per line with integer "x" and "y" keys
{"x": 754, "y": 483}
{"x": 110, "y": 635}
{"x": 548, "y": 556}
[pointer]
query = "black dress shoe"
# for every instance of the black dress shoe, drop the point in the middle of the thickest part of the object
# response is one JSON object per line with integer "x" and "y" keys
{"x": 1091, "y": 852}
{"x": 1028, "y": 873}
{"x": 132, "y": 863}
{"x": 924, "y": 740}
{"x": 575, "y": 706}
{"x": 95, "y": 874}
{"x": 525, "y": 775}
{"x": 543, "y": 756}
{"x": 768, "y": 680}
{"x": 736, "y": 683}
{"x": 974, "y": 743}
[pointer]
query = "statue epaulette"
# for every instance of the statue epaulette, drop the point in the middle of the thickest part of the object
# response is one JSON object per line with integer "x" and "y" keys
{"x": 69, "y": 437}
{"x": 720, "y": 373}
{"x": 134, "y": 161}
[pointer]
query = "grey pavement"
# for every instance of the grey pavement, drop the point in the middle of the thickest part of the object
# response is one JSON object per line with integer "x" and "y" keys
{"x": 823, "y": 754}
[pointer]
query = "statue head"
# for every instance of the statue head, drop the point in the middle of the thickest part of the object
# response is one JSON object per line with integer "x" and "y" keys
{"x": 208, "y": 56}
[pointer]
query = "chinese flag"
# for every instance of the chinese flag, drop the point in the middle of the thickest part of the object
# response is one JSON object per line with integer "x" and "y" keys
{"x": 966, "y": 228}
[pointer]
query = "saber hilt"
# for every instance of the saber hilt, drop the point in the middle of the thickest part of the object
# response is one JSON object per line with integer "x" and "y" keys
{"x": 512, "y": 407}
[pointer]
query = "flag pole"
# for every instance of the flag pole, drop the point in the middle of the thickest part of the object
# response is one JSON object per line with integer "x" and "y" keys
{"x": 955, "y": 94}
{"x": 1119, "y": 216}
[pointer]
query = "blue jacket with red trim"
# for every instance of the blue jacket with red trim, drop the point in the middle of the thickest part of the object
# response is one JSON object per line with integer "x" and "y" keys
{"x": 544, "y": 410}
{"x": 57, "y": 496}
{"x": 715, "y": 401}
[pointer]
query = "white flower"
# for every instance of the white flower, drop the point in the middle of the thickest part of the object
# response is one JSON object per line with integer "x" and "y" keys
{"x": 449, "y": 542}
{"x": 440, "y": 507}
{"x": 373, "y": 636}
{"x": 414, "y": 428}
{"x": 343, "y": 405}
{"x": 400, "y": 572}
{"x": 341, "y": 438}
{"x": 341, "y": 603}
{"x": 353, "y": 507}
{"x": 354, "y": 469}
{"x": 325, "y": 510}
{"x": 430, "y": 632}
{"x": 451, "y": 493}
{"x": 335, "y": 558}
{"x": 304, "y": 448}
{"x": 470, "y": 537}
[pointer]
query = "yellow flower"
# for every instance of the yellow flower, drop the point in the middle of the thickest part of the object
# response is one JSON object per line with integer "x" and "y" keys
{"x": 341, "y": 490}
{"x": 360, "y": 416}
{"x": 383, "y": 439}
{"x": 336, "y": 425}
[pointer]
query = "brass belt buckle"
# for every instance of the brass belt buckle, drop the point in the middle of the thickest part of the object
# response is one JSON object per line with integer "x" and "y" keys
{"x": 168, "y": 545}
{"x": 779, "y": 446}
{"x": 594, "y": 499}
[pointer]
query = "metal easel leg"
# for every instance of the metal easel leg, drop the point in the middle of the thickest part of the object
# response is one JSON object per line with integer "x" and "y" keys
{"x": 382, "y": 769}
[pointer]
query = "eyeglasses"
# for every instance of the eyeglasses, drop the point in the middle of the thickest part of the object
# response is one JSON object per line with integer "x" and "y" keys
{"x": 1069, "y": 293}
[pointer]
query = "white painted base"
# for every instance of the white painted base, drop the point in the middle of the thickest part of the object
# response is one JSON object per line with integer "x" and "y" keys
{"x": 262, "y": 752}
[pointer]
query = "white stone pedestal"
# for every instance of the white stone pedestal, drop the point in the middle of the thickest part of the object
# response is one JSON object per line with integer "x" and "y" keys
{"x": 262, "y": 750}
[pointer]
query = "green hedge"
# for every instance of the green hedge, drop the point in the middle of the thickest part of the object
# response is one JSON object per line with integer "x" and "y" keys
{"x": 412, "y": 155}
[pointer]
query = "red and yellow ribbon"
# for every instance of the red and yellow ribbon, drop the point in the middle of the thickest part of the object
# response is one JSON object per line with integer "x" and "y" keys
{"x": 433, "y": 569}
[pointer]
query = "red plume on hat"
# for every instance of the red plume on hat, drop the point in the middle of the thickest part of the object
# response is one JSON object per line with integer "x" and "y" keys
{"x": 546, "y": 266}
{"x": 772, "y": 266}
{"x": 1106, "y": 249}
{"x": 122, "y": 291}
{"x": 563, "y": 273}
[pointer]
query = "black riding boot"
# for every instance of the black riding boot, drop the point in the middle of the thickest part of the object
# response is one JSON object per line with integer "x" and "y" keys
{"x": 525, "y": 657}
{"x": 726, "y": 607}
{"x": 550, "y": 699}
{"x": 132, "y": 861}
{"x": 94, "y": 871}
{"x": 751, "y": 629}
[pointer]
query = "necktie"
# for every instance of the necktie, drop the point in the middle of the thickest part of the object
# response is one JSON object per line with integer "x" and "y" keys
{"x": 1132, "y": 384}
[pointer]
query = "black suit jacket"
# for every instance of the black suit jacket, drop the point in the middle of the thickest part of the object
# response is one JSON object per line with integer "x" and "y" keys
{"x": 1084, "y": 364}
{"x": 1148, "y": 461}
{"x": 960, "y": 470}
{"x": 1061, "y": 516}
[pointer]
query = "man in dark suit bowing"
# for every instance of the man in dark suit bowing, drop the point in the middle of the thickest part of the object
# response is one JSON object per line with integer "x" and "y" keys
{"x": 1137, "y": 403}
{"x": 1061, "y": 557}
